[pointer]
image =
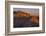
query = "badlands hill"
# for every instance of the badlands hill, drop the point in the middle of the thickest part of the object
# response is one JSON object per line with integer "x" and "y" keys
{"x": 25, "y": 19}
{"x": 27, "y": 15}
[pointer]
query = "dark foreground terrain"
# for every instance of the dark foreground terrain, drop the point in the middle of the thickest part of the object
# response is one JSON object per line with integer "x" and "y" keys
{"x": 24, "y": 22}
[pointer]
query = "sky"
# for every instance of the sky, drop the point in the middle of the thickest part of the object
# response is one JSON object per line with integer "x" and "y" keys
{"x": 28, "y": 10}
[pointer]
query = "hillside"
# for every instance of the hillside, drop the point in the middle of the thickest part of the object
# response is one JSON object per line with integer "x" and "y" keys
{"x": 27, "y": 17}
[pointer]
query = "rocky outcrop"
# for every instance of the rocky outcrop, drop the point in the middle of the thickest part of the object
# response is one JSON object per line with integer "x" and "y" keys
{"x": 23, "y": 19}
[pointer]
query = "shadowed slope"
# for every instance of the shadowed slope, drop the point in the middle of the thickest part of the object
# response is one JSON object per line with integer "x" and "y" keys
{"x": 22, "y": 19}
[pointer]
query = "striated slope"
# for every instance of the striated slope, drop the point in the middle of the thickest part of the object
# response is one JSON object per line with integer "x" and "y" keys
{"x": 26, "y": 18}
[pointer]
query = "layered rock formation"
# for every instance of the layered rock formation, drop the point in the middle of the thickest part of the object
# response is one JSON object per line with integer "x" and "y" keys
{"x": 22, "y": 19}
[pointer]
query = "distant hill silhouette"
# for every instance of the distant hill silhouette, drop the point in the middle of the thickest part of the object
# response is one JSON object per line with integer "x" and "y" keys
{"x": 21, "y": 13}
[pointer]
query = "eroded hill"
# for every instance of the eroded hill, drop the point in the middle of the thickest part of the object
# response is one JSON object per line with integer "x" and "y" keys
{"x": 27, "y": 17}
